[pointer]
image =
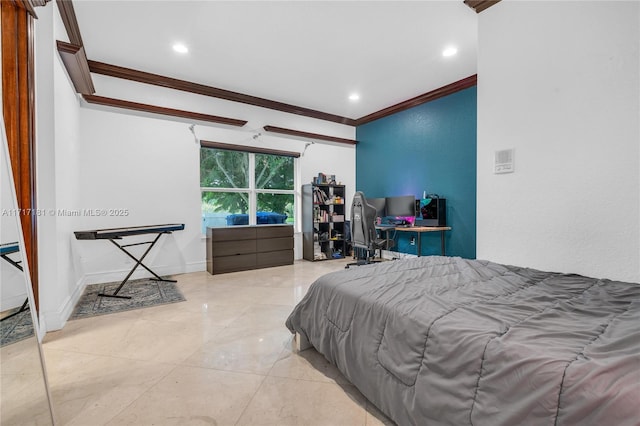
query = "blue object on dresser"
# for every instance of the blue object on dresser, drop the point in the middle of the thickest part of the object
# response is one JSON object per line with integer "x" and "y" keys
{"x": 263, "y": 218}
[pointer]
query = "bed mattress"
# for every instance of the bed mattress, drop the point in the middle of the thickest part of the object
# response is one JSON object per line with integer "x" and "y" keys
{"x": 444, "y": 340}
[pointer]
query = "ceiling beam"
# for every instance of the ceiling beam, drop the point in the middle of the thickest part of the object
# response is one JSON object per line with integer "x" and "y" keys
{"x": 418, "y": 100}
{"x": 480, "y": 5}
{"x": 307, "y": 135}
{"x": 73, "y": 54}
{"x": 153, "y": 109}
{"x": 68, "y": 15}
{"x": 201, "y": 89}
{"x": 75, "y": 61}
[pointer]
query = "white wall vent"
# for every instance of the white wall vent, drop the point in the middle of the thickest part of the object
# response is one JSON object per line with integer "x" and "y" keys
{"x": 503, "y": 161}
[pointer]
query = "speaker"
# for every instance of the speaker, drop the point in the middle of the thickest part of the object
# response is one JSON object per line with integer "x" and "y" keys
{"x": 433, "y": 212}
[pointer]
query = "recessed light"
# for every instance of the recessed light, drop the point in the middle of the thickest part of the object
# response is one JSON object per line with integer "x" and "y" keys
{"x": 354, "y": 97}
{"x": 180, "y": 48}
{"x": 449, "y": 51}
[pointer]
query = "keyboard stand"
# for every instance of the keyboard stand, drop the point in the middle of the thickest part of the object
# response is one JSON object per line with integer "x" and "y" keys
{"x": 138, "y": 263}
{"x": 23, "y": 308}
{"x": 6, "y": 250}
{"x": 114, "y": 234}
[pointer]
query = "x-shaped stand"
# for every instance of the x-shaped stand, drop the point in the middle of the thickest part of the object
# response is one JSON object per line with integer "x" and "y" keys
{"x": 25, "y": 305}
{"x": 138, "y": 263}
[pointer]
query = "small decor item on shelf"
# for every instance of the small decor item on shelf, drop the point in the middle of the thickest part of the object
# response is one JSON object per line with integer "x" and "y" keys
{"x": 323, "y": 179}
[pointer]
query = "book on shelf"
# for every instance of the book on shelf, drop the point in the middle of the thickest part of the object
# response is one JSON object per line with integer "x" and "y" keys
{"x": 319, "y": 196}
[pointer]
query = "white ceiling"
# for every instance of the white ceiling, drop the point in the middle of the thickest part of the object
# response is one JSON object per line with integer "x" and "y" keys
{"x": 308, "y": 54}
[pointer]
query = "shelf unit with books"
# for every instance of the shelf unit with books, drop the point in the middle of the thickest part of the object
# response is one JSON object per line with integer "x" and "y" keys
{"x": 323, "y": 221}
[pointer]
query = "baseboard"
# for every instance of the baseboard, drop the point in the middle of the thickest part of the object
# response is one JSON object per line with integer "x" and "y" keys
{"x": 196, "y": 267}
{"x": 56, "y": 320}
{"x": 51, "y": 321}
{"x": 118, "y": 275}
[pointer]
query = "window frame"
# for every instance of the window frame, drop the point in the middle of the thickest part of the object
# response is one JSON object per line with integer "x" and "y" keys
{"x": 251, "y": 190}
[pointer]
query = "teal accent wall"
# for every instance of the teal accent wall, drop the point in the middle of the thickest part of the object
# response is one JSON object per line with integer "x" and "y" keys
{"x": 430, "y": 147}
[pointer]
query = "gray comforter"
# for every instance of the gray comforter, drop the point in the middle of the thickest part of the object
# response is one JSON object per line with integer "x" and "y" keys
{"x": 441, "y": 340}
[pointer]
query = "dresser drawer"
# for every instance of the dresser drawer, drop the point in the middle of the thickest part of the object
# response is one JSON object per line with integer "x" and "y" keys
{"x": 230, "y": 248}
{"x": 239, "y": 262}
{"x": 274, "y": 244}
{"x": 233, "y": 233}
{"x": 274, "y": 231}
{"x": 274, "y": 258}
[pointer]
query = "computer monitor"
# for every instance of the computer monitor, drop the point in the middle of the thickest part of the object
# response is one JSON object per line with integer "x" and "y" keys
{"x": 402, "y": 206}
{"x": 379, "y": 204}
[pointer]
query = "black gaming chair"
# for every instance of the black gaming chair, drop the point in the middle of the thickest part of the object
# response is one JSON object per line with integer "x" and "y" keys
{"x": 364, "y": 238}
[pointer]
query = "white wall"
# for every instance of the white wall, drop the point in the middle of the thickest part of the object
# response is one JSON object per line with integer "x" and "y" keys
{"x": 102, "y": 158}
{"x": 559, "y": 83}
{"x": 57, "y": 137}
{"x": 149, "y": 165}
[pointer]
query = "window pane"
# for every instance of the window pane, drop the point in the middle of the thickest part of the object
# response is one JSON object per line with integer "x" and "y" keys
{"x": 274, "y": 172}
{"x": 275, "y": 208}
{"x": 224, "y": 209}
{"x": 220, "y": 168}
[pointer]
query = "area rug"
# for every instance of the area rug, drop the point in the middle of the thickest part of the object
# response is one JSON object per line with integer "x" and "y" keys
{"x": 144, "y": 293}
{"x": 16, "y": 328}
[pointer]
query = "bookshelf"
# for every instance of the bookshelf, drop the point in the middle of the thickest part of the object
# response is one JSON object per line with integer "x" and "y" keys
{"x": 323, "y": 222}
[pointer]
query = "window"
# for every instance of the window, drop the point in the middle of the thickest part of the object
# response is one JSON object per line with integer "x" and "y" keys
{"x": 239, "y": 187}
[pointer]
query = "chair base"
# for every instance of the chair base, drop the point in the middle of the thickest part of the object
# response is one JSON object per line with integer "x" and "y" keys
{"x": 364, "y": 257}
{"x": 361, "y": 262}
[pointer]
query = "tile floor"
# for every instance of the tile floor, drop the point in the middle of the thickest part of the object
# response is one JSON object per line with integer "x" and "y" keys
{"x": 223, "y": 357}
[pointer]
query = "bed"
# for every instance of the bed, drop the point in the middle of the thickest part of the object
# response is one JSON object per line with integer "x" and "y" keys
{"x": 444, "y": 340}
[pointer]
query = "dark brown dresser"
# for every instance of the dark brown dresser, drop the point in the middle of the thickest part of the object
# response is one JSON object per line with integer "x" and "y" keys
{"x": 239, "y": 248}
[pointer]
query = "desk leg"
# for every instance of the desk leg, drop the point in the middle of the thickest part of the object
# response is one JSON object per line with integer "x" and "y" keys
{"x": 419, "y": 243}
{"x": 386, "y": 235}
{"x": 442, "y": 242}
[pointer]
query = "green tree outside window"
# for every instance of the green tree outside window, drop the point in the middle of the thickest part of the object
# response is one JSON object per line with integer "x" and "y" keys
{"x": 226, "y": 189}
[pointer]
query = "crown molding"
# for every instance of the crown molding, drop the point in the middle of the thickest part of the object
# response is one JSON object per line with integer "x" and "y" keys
{"x": 68, "y": 15}
{"x": 154, "y": 109}
{"x": 307, "y": 135}
{"x": 480, "y": 5}
{"x": 201, "y": 89}
{"x": 30, "y": 5}
{"x": 449, "y": 89}
{"x": 85, "y": 84}
{"x": 75, "y": 61}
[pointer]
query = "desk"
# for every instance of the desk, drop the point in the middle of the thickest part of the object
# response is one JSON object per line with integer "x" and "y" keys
{"x": 419, "y": 230}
